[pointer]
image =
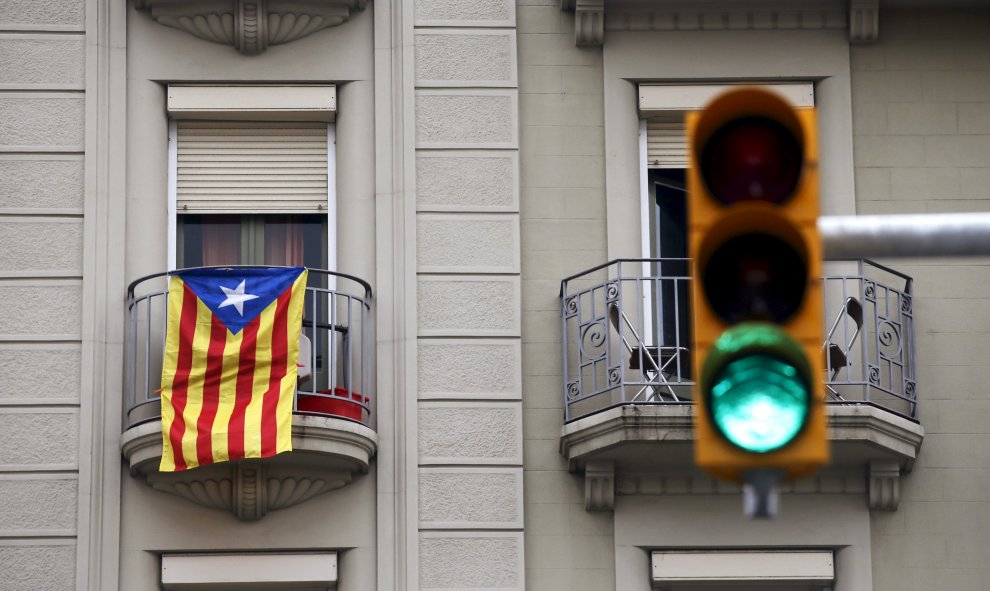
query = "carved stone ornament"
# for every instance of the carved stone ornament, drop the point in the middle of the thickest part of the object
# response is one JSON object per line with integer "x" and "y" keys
{"x": 864, "y": 21}
{"x": 248, "y": 489}
{"x": 589, "y": 21}
{"x": 250, "y": 25}
{"x": 885, "y": 485}
{"x": 327, "y": 453}
{"x": 599, "y": 486}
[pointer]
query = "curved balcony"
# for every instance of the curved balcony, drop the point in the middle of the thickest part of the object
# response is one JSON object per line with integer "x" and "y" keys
{"x": 333, "y": 436}
{"x": 628, "y": 381}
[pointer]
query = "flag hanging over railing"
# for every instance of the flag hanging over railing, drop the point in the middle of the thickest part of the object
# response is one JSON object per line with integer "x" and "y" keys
{"x": 231, "y": 354}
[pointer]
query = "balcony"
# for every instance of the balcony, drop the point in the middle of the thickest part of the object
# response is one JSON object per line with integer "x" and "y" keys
{"x": 628, "y": 381}
{"x": 333, "y": 436}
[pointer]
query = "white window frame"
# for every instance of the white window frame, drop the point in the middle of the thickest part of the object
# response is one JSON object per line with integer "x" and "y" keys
{"x": 253, "y": 103}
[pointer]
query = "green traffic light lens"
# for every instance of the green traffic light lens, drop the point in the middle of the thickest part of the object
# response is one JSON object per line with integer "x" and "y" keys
{"x": 759, "y": 403}
{"x": 758, "y": 395}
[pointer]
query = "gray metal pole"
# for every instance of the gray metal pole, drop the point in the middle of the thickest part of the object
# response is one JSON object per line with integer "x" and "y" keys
{"x": 915, "y": 235}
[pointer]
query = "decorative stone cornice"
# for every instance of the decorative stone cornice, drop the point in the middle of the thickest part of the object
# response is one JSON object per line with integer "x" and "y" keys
{"x": 250, "y": 25}
{"x": 683, "y": 482}
{"x": 590, "y": 20}
{"x": 327, "y": 453}
{"x": 702, "y": 18}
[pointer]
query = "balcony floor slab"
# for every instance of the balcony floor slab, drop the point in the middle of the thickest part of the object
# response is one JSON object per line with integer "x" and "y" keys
{"x": 867, "y": 442}
{"x": 326, "y": 454}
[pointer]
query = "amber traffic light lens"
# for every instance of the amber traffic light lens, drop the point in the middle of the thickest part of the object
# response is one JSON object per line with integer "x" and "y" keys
{"x": 752, "y": 159}
{"x": 755, "y": 277}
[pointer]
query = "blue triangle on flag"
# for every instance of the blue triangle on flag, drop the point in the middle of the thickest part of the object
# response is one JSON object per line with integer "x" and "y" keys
{"x": 235, "y": 295}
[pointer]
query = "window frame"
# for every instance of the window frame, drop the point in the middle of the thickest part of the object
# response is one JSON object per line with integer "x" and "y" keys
{"x": 265, "y": 103}
{"x": 252, "y": 235}
{"x": 684, "y": 98}
{"x": 657, "y": 98}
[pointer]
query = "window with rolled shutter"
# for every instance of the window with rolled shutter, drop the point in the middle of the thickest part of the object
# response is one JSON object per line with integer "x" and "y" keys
{"x": 663, "y": 108}
{"x": 251, "y": 174}
{"x": 251, "y": 167}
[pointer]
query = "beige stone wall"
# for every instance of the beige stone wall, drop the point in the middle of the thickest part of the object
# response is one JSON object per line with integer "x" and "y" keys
{"x": 42, "y": 83}
{"x": 563, "y": 232}
{"x": 921, "y": 107}
{"x": 469, "y": 427}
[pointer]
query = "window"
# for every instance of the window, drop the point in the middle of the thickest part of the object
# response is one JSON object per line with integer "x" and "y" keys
{"x": 664, "y": 163}
{"x": 232, "y": 239}
{"x": 251, "y": 182}
{"x": 251, "y": 175}
{"x": 665, "y": 157}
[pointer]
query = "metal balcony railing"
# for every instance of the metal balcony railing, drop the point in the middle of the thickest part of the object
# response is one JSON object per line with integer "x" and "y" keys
{"x": 334, "y": 351}
{"x": 626, "y": 337}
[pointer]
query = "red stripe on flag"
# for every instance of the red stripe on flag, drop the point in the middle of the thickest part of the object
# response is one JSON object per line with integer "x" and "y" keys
{"x": 280, "y": 357}
{"x": 243, "y": 391}
{"x": 180, "y": 383}
{"x": 211, "y": 392}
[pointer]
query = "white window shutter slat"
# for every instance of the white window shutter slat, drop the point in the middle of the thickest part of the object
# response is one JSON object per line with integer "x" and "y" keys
{"x": 251, "y": 167}
{"x": 666, "y": 146}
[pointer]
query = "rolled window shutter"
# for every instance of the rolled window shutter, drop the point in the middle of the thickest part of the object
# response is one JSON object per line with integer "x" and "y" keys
{"x": 665, "y": 141}
{"x": 251, "y": 167}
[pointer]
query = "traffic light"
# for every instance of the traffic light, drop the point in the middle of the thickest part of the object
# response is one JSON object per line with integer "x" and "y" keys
{"x": 756, "y": 288}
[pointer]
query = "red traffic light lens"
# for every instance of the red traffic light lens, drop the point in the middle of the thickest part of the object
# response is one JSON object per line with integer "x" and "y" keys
{"x": 755, "y": 277}
{"x": 752, "y": 159}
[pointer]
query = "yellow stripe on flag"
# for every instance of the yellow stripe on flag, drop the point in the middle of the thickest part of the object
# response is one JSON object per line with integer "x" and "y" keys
{"x": 228, "y": 394}
{"x": 176, "y": 290}
{"x": 283, "y": 441}
{"x": 262, "y": 375}
{"x": 197, "y": 374}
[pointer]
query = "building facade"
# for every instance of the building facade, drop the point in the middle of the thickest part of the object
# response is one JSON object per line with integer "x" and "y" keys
{"x": 466, "y": 171}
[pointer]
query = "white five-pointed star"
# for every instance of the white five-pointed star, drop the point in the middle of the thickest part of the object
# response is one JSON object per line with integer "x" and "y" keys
{"x": 236, "y": 297}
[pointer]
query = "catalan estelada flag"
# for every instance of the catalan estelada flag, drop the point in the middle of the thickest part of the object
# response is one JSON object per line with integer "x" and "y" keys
{"x": 231, "y": 349}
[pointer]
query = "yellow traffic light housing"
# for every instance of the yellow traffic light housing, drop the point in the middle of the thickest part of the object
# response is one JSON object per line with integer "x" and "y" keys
{"x": 756, "y": 288}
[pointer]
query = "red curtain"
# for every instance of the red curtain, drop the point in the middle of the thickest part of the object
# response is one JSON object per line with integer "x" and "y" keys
{"x": 221, "y": 241}
{"x": 284, "y": 242}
